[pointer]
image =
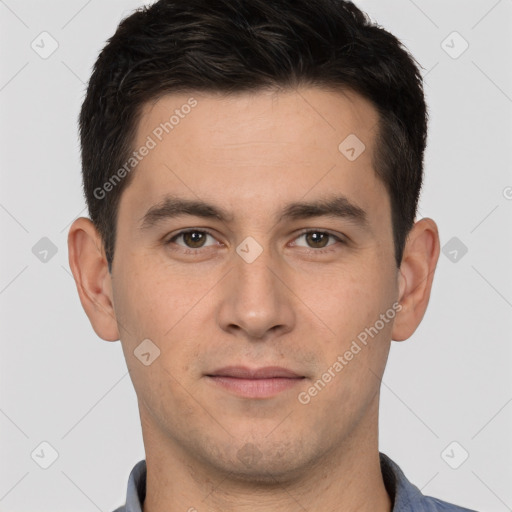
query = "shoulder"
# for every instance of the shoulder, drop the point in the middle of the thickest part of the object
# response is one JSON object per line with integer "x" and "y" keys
{"x": 437, "y": 505}
{"x": 136, "y": 490}
{"x": 406, "y": 496}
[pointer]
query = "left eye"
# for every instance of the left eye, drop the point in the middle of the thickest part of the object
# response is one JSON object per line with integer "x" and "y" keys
{"x": 317, "y": 239}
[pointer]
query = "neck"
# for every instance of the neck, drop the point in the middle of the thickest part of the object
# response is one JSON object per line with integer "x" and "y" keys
{"x": 344, "y": 479}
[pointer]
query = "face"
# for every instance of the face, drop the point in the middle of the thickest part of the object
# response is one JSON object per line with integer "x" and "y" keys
{"x": 254, "y": 280}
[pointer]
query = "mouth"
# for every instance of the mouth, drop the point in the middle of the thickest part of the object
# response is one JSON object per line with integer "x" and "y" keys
{"x": 255, "y": 383}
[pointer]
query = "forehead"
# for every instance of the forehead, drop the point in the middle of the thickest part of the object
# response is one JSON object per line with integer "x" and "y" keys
{"x": 254, "y": 150}
{"x": 277, "y": 116}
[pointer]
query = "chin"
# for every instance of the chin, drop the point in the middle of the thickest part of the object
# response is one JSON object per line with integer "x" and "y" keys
{"x": 263, "y": 462}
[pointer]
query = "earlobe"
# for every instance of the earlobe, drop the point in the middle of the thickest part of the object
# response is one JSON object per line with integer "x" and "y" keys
{"x": 93, "y": 281}
{"x": 416, "y": 275}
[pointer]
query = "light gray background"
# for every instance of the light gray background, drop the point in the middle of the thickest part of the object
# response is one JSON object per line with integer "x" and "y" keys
{"x": 61, "y": 384}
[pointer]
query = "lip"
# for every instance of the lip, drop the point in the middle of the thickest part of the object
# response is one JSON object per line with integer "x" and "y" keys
{"x": 263, "y": 382}
{"x": 243, "y": 372}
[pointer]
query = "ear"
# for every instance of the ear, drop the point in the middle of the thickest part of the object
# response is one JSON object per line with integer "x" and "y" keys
{"x": 93, "y": 281}
{"x": 416, "y": 275}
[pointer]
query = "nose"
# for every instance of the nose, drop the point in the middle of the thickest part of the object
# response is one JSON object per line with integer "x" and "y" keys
{"x": 257, "y": 302}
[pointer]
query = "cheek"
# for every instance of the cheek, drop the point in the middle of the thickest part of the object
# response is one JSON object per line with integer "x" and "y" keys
{"x": 148, "y": 300}
{"x": 151, "y": 302}
{"x": 155, "y": 310}
{"x": 350, "y": 298}
{"x": 358, "y": 340}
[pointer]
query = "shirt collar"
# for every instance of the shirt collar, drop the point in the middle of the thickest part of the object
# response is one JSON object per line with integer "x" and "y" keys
{"x": 404, "y": 495}
{"x": 136, "y": 493}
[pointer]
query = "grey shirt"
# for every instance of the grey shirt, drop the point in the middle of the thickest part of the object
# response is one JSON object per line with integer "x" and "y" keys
{"x": 406, "y": 497}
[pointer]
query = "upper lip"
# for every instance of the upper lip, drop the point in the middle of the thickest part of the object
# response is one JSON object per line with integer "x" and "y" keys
{"x": 242, "y": 372}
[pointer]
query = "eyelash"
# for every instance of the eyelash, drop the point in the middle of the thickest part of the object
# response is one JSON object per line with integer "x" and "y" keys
{"x": 186, "y": 250}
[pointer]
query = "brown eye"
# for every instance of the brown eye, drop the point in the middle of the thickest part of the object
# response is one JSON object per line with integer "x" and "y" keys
{"x": 192, "y": 239}
{"x": 317, "y": 239}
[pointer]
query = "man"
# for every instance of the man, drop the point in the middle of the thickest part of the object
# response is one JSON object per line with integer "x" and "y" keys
{"x": 252, "y": 170}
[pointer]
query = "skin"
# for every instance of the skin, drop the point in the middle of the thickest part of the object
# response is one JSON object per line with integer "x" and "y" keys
{"x": 291, "y": 307}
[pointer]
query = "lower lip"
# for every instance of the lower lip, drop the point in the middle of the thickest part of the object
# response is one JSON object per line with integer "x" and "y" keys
{"x": 256, "y": 388}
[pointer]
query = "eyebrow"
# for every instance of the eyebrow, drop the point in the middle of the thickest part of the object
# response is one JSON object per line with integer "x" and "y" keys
{"x": 336, "y": 206}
